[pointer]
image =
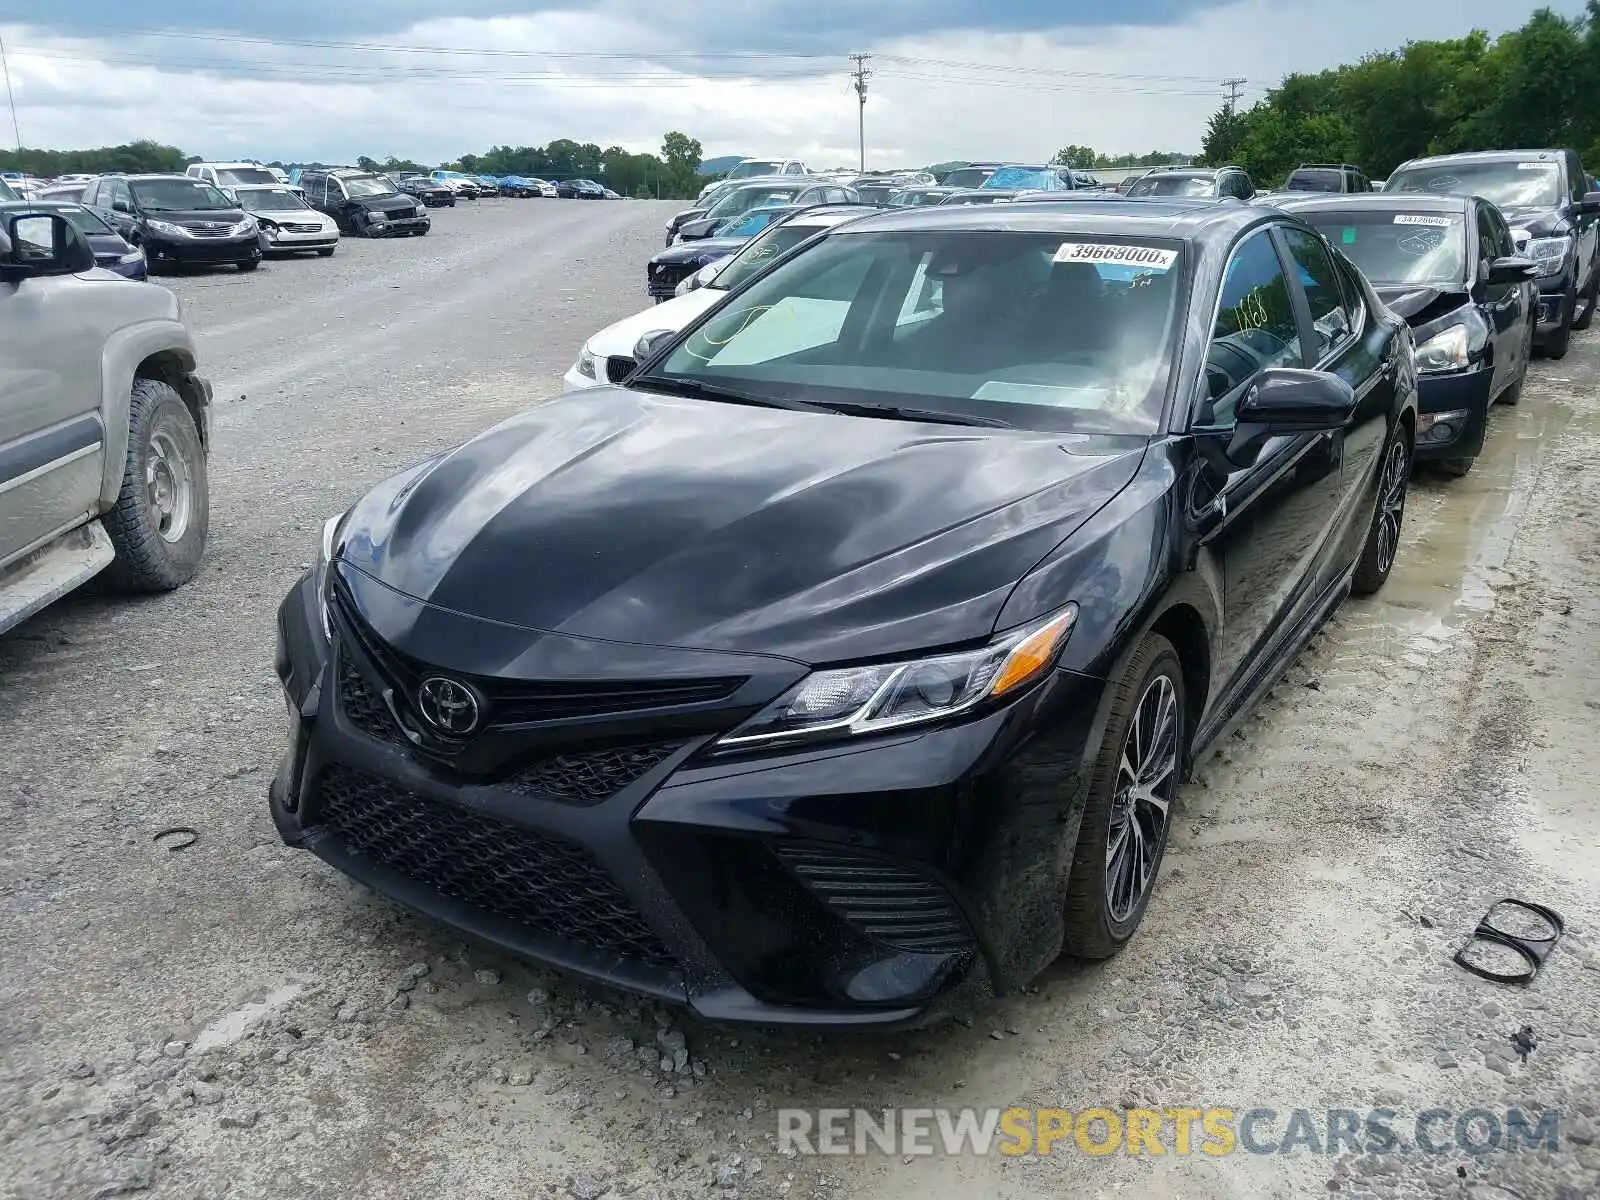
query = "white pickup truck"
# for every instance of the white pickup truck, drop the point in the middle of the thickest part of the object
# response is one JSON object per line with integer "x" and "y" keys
{"x": 104, "y": 425}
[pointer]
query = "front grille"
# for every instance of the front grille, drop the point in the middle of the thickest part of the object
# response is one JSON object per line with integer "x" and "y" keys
{"x": 664, "y": 278}
{"x": 289, "y": 228}
{"x": 890, "y": 904}
{"x": 543, "y": 883}
{"x": 207, "y": 228}
{"x": 364, "y": 707}
{"x": 513, "y": 701}
{"x": 591, "y": 776}
{"x": 618, "y": 366}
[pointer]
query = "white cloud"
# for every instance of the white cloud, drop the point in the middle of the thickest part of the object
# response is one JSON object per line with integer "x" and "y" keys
{"x": 336, "y": 104}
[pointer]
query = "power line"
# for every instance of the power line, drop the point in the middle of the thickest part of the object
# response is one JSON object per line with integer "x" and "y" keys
{"x": 1232, "y": 86}
{"x": 10, "y": 95}
{"x": 1086, "y": 87}
{"x": 1010, "y": 69}
{"x": 862, "y": 73}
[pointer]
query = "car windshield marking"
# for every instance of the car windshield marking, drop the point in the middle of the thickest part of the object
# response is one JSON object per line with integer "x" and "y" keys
{"x": 1398, "y": 249}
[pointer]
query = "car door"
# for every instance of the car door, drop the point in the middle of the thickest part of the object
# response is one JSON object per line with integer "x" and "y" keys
{"x": 119, "y": 206}
{"x": 1501, "y": 304}
{"x": 1585, "y": 223}
{"x": 1265, "y": 522}
{"x": 1346, "y": 341}
{"x": 52, "y": 444}
{"x": 1519, "y": 349}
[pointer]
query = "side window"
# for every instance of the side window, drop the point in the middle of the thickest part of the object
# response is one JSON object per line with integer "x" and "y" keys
{"x": 1576, "y": 179}
{"x": 91, "y": 196}
{"x": 924, "y": 298}
{"x": 1488, "y": 235}
{"x": 336, "y": 192}
{"x": 1256, "y": 326}
{"x": 793, "y": 168}
{"x": 1333, "y": 323}
{"x": 1503, "y": 238}
{"x": 121, "y": 191}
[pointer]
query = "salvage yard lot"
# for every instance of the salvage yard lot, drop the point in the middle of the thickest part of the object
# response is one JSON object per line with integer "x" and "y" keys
{"x": 235, "y": 1019}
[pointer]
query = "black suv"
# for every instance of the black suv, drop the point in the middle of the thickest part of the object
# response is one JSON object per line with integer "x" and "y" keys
{"x": 1199, "y": 183}
{"x": 1545, "y": 197}
{"x": 364, "y": 203}
{"x": 431, "y": 192}
{"x": 1327, "y": 177}
{"x": 178, "y": 220}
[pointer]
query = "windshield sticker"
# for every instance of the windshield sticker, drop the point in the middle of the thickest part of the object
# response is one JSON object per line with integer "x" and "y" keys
{"x": 1423, "y": 219}
{"x": 1538, "y": 166}
{"x": 1152, "y": 257}
{"x": 1348, "y": 236}
{"x": 1423, "y": 241}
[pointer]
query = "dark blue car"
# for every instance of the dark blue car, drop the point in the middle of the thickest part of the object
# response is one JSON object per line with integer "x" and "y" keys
{"x": 110, "y": 250}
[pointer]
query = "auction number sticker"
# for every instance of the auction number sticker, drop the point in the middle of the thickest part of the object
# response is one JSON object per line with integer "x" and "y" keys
{"x": 1538, "y": 166}
{"x": 1423, "y": 219}
{"x": 1152, "y": 258}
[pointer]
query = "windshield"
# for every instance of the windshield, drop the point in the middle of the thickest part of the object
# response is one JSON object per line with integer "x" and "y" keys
{"x": 1315, "y": 181}
{"x": 756, "y": 166}
{"x": 760, "y": 253}
{"x": 915, "y": 199}
{"x": 1398, "y": 248}
{"x": 84, "y": 220}
{"x": 1505, "y": 184}
{"x": 359, "y": 186}
{"x": 179, "y": 195}
{"x": 875, "y": 193}
{"x": 1018, "y": 178}
{"x": 234, "y": 176}
{"x": 745, "y": 199}
{"x": 1174, "y": 185}
{"x": 965, "y": 177}
{"x": 976, "y": 197}
{"x": 1041, "y": 330}
{"x": 751, "y": 223}
{"x": 272, "y": 200}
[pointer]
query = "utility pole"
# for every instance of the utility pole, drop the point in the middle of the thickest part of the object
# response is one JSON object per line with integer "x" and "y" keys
{"x": 861, "y": 74}
{"x": 1232, "y": 86}
{"x": 12, "y": 96}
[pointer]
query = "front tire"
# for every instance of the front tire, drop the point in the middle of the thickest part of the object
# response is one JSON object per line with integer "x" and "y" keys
{"x": 163, "y": 511}
{"x": 1455, "y": 468}
{"x": 1383, "y": 535}
{"x": 1128, "y": 811}
{"x": 249, "y": 264}
{"x": 1561, "y": 337}
{"x": 1590, "y": 298}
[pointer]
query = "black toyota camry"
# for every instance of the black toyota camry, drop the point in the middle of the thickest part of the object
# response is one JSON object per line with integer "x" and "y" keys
{"x": 841, "y": 667}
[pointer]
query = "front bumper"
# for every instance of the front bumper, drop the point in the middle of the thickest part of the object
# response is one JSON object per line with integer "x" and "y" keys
{"x": 396, "y": 228}
{"x": 1554, "y": 312}
{"x": 851, "y": 885}
{"x": 661, "y": 280}
{"x": 283, "y": 242}
{"x": 1467, "y": 394}
{"x": 202, "y": 250}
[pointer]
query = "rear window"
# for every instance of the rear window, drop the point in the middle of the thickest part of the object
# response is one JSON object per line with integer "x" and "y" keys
{"x": 1175, "y": 185}
{"x": 1315, "y": 181}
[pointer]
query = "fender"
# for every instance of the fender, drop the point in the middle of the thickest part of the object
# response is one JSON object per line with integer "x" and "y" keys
{"x": 120, "y": 359}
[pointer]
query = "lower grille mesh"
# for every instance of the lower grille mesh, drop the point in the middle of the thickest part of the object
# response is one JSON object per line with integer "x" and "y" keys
{"x": 591, "y": 776}
{"x": 890, "y": 904}
{"x": 550, "y": 886}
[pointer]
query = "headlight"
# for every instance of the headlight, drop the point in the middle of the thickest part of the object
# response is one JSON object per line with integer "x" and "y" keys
{"x": 319, "y": 578}
{"x": 852, "y": 701}
{"x": 1550, "y": 253}
{"x": 588, "y": 364}
{"x": 133, "y": 256}
{"x": 1444, "y": 351}
{"x": 377, "y": 217}
{"x": 167, "y": 229}
{"x": 248, "y": 225}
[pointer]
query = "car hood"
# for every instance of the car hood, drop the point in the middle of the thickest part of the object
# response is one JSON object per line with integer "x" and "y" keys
{"x": 1420, "y": 305}
{"x": 1539, "y": 222}
{"x": 398, "y": 202}
{"x": 693, "y": 251}
{"x": 106, "y": 245}
{"x": 699, "y": 229}
{"x": 290, "y": 216}
{"x": 674, "y": 314}
{"x": 623, "y": 515}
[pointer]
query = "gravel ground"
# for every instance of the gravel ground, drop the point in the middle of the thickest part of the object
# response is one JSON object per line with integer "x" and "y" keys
{"x": 238, "y": 1020}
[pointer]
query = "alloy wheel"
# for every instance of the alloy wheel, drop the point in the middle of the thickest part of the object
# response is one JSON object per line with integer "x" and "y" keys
{"x": 1391, "y": 505}
{"x": 1147, "y": 776}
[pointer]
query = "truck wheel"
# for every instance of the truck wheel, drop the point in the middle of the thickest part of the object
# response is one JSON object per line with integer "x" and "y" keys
{"x": 1590, "y": 298}
{"x": 163, "y": 512}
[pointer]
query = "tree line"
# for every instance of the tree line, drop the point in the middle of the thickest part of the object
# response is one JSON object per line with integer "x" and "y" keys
{"x": 671, "y": 173}
{"x": 1531, "y": 88}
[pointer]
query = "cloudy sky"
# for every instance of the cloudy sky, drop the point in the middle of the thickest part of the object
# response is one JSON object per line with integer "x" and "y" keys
{"x": 1010, "y": 79}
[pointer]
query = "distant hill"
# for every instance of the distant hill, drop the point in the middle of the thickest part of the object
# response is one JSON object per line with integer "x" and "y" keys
{"x": 720, "y": 166}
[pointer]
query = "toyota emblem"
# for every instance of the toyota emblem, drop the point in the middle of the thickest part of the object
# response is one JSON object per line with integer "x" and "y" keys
{"x": 449, "y": 706}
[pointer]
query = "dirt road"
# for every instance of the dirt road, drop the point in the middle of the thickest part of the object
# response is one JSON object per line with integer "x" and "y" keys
{"x": 236, "y": 1020}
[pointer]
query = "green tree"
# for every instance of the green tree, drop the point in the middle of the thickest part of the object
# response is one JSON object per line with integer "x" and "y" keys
{"x": 1082, "y": 157}
{"x": 681, "y": 157}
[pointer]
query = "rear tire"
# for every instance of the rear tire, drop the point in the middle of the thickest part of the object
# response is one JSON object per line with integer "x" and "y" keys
{"x": 163, "y": 512}
{"x": 1128, "y": 811}
{"x": 1590, "y": 299}
{"x": 1378, "y": 552}
{"x": 1513, "y": 393}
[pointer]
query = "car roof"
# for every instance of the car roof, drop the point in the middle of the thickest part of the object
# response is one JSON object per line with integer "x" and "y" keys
{"x": 1180, "y": 171}
{"x": 1378, "y": 201}
{"x": 828, "y": 214}
{"x": 149, "y": 176}
{"x": 1472, "y": 156}
{"x": 1186, "y": 220}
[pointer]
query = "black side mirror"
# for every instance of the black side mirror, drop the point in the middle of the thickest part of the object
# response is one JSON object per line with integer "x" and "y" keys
{"x": 1512, "y": 269}
{"x": 43, "y": 244}
{"x": 120, "y": 206}
{"x": 650, "y": 343}
{"x": 1282, "y": 401}
{"x": 1590, "y": 203}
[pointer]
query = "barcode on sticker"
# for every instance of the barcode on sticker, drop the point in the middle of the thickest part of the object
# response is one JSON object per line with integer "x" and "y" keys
{"x": 1152, "y": 257}
{"x": 1539, "y": 166}
{"x": 1422, "y": 219}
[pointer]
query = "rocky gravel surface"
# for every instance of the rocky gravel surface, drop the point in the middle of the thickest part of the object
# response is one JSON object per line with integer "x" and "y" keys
{"x": 234, "y": 1019}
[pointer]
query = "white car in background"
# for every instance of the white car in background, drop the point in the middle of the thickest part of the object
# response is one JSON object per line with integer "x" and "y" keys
{"x": 229, "y": 176}
{"x": 608, "y": 356}
{"x": 288, "y": 224}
